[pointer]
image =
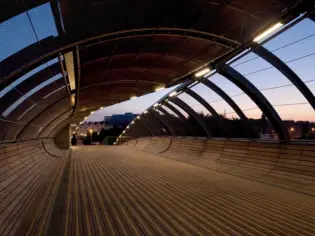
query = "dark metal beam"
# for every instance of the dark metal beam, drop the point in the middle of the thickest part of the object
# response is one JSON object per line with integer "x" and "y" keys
{"x": 233, "y": 104}
{"x": 286, "y": 71}
{"x": 177, "y": 112}
{"x": 164, "y": 122}
{"x": 213, "y": 112}
{"x": 181, "y": 131}
{"x": 247, "y": 87}
{"x": 192, "y": 113}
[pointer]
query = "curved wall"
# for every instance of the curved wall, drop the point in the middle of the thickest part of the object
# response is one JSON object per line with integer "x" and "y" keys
{"x": 290, "y": 166}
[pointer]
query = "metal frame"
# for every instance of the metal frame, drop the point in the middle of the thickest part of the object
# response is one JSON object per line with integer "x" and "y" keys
{"x": 247, "y": 87}
{"x": 192, "y": 113}
{"x": 212, "y": 111}
{"x": 177, "y": 112}
{"x": 148, "y": 126}
{"x": 233, "y": 104}
{"x": 167, "y": 114}
{"x": 286, "y": 71}
{"x": 163, "y": 122}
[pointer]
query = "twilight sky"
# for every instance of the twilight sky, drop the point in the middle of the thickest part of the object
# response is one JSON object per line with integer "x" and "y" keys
{"x": 16, "y": 33}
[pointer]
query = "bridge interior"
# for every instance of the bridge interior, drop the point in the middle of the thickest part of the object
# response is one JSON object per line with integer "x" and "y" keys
{"x": 132, "y": 190}
{"x": 172, "y": 170}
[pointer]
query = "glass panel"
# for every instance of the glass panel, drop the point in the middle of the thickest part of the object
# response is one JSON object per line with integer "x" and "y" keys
{"x": 17, "y": 33}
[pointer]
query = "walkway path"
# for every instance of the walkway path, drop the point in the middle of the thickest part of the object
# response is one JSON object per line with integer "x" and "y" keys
{"x": 118, "y": 191}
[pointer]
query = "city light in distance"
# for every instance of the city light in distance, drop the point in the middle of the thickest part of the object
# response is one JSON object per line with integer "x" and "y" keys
{"x": 159, "y": 89}
{"x": 267, "y": 32}
{"x": 202, "y": 72}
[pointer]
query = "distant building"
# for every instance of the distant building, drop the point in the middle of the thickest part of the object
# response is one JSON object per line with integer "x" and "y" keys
{"x": 87, "y": 126}
{"x": 119, "y": 119}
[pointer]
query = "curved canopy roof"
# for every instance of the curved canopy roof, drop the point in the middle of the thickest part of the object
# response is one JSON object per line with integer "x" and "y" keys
{"x": 101, "y": 52}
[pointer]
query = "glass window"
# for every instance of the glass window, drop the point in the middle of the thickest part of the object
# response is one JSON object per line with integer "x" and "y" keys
{"x": 17, "y": 33}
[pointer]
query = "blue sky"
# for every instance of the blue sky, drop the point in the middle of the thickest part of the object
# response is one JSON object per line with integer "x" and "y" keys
{"x": 16, "y": 34}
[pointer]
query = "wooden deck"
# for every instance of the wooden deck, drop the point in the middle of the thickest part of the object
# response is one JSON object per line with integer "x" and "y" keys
{"x": 120, "y": 191}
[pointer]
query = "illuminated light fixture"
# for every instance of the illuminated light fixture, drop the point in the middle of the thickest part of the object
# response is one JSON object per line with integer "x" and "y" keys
{"x": 124, "y": 131}
{"x": 91, "y": 131}
{"x": 127, "y": 127}
{"x": 92, "y": 112}
{"x": 166, "y": 100}
{"x": 81, "y": 122}
{"x": 268, "y": 32}
{"x": 292, "y": 129}
{"x": 155, "y": 105}
{"x": 145, "y": 112}
{"x": 138, "y": 117}
{"x": 133, "y": 97}
{"x": 202, "y": 72}
{"x": 313, "y": 129}
{"x": 85, "y": 118}
{"x": 72, "y": 100}
{"x": 101, "y": 108}
{"x": 159, "y": 89}
{"x": 76, "y": 127}
{"x": 132, "y": 122}
{"x": 70, "y": 69}
{"x": 172, "y": 94}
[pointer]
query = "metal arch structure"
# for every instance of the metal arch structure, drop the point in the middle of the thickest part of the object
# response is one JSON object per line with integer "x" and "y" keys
{"x": 212, "y": 111}
{"x": 168, "y": 115}
{"x": 177, "y": 112}
{"x": 286, "y": 71}
{"x": 233, "y": 104}
{"x": 247, "y": 87}
{"x": 195, "y": 44}
{"x": 164, "y": 122}
{"x": 193, "y": 114}
{"x": 216, "y": 39}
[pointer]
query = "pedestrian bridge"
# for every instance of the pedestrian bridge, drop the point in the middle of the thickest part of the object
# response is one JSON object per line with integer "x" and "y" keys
{"x": 158, "y": 186}
{"x": 185, "y": 165}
